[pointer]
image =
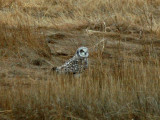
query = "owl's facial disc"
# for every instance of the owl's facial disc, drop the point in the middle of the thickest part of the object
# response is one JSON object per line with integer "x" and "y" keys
{"x": 83, "y": 52}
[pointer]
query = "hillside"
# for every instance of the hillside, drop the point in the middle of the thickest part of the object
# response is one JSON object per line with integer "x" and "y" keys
{"x": 123, "y": 78}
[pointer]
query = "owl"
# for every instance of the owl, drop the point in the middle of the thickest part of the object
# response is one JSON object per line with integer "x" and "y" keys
{"x": 77, "y": 64}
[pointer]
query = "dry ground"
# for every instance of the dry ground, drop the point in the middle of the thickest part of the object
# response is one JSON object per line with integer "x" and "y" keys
{"x": 123, "y": 79}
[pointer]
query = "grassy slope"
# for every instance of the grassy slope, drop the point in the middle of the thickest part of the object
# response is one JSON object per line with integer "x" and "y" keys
{"x": 123, "y": 80}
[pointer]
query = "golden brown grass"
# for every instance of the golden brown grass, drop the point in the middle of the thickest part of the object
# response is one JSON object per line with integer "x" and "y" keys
{"x": 123, "y": 79}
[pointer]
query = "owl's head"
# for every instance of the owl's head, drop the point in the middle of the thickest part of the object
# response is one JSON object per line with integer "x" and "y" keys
{"x": 82, "y": 52}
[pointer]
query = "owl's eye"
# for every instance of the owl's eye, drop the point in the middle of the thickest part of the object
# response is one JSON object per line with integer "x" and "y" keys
{"x": 81, "y": 51}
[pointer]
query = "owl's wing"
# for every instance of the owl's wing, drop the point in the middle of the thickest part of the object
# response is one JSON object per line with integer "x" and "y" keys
{"x": 74, "y": 65}
{"x": 71, "y": 66}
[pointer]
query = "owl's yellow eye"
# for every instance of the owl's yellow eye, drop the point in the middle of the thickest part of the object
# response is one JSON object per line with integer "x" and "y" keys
{"x": 81, "y": 51}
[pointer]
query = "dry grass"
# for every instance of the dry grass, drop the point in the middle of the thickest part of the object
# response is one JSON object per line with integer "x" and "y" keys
{"x": 123, "y": 79}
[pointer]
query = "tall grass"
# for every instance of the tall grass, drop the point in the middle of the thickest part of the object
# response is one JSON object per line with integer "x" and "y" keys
{"x": 71, "y": 14}
{"x": 128, "y": 92}
{"x": 124, "y": 85}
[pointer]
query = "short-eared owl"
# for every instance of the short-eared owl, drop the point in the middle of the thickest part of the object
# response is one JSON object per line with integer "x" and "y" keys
{"x": 77, "y": 64}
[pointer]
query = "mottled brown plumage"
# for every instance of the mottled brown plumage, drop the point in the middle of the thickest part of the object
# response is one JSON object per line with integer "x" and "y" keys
{"x": 77, "y": 64}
